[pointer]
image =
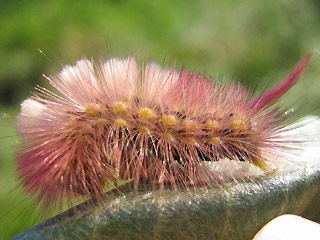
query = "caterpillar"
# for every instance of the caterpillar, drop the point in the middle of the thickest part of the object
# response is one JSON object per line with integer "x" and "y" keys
{"x": 117, "y": 120}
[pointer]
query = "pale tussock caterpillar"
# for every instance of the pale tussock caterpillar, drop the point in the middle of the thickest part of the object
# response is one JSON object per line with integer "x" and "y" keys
{"x": 116, "y": 121}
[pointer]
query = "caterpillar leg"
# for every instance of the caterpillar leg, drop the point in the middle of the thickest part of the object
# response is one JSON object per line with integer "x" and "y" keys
{"x": 260, "y": 163}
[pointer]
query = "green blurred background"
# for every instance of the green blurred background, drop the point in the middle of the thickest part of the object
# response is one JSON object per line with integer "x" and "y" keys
{"x": 255, "y": 42}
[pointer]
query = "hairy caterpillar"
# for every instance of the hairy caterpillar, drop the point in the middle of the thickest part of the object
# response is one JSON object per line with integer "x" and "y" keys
{"x": 114, "y": 120}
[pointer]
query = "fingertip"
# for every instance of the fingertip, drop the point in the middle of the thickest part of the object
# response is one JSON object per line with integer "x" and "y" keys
{"x": 291, "y": 227}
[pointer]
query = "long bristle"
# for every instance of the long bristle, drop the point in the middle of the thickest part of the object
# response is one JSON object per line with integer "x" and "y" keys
{"x": 116, "y": 121}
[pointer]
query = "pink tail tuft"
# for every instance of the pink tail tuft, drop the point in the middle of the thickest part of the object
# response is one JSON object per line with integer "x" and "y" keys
{"x": 275, "y": 93}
